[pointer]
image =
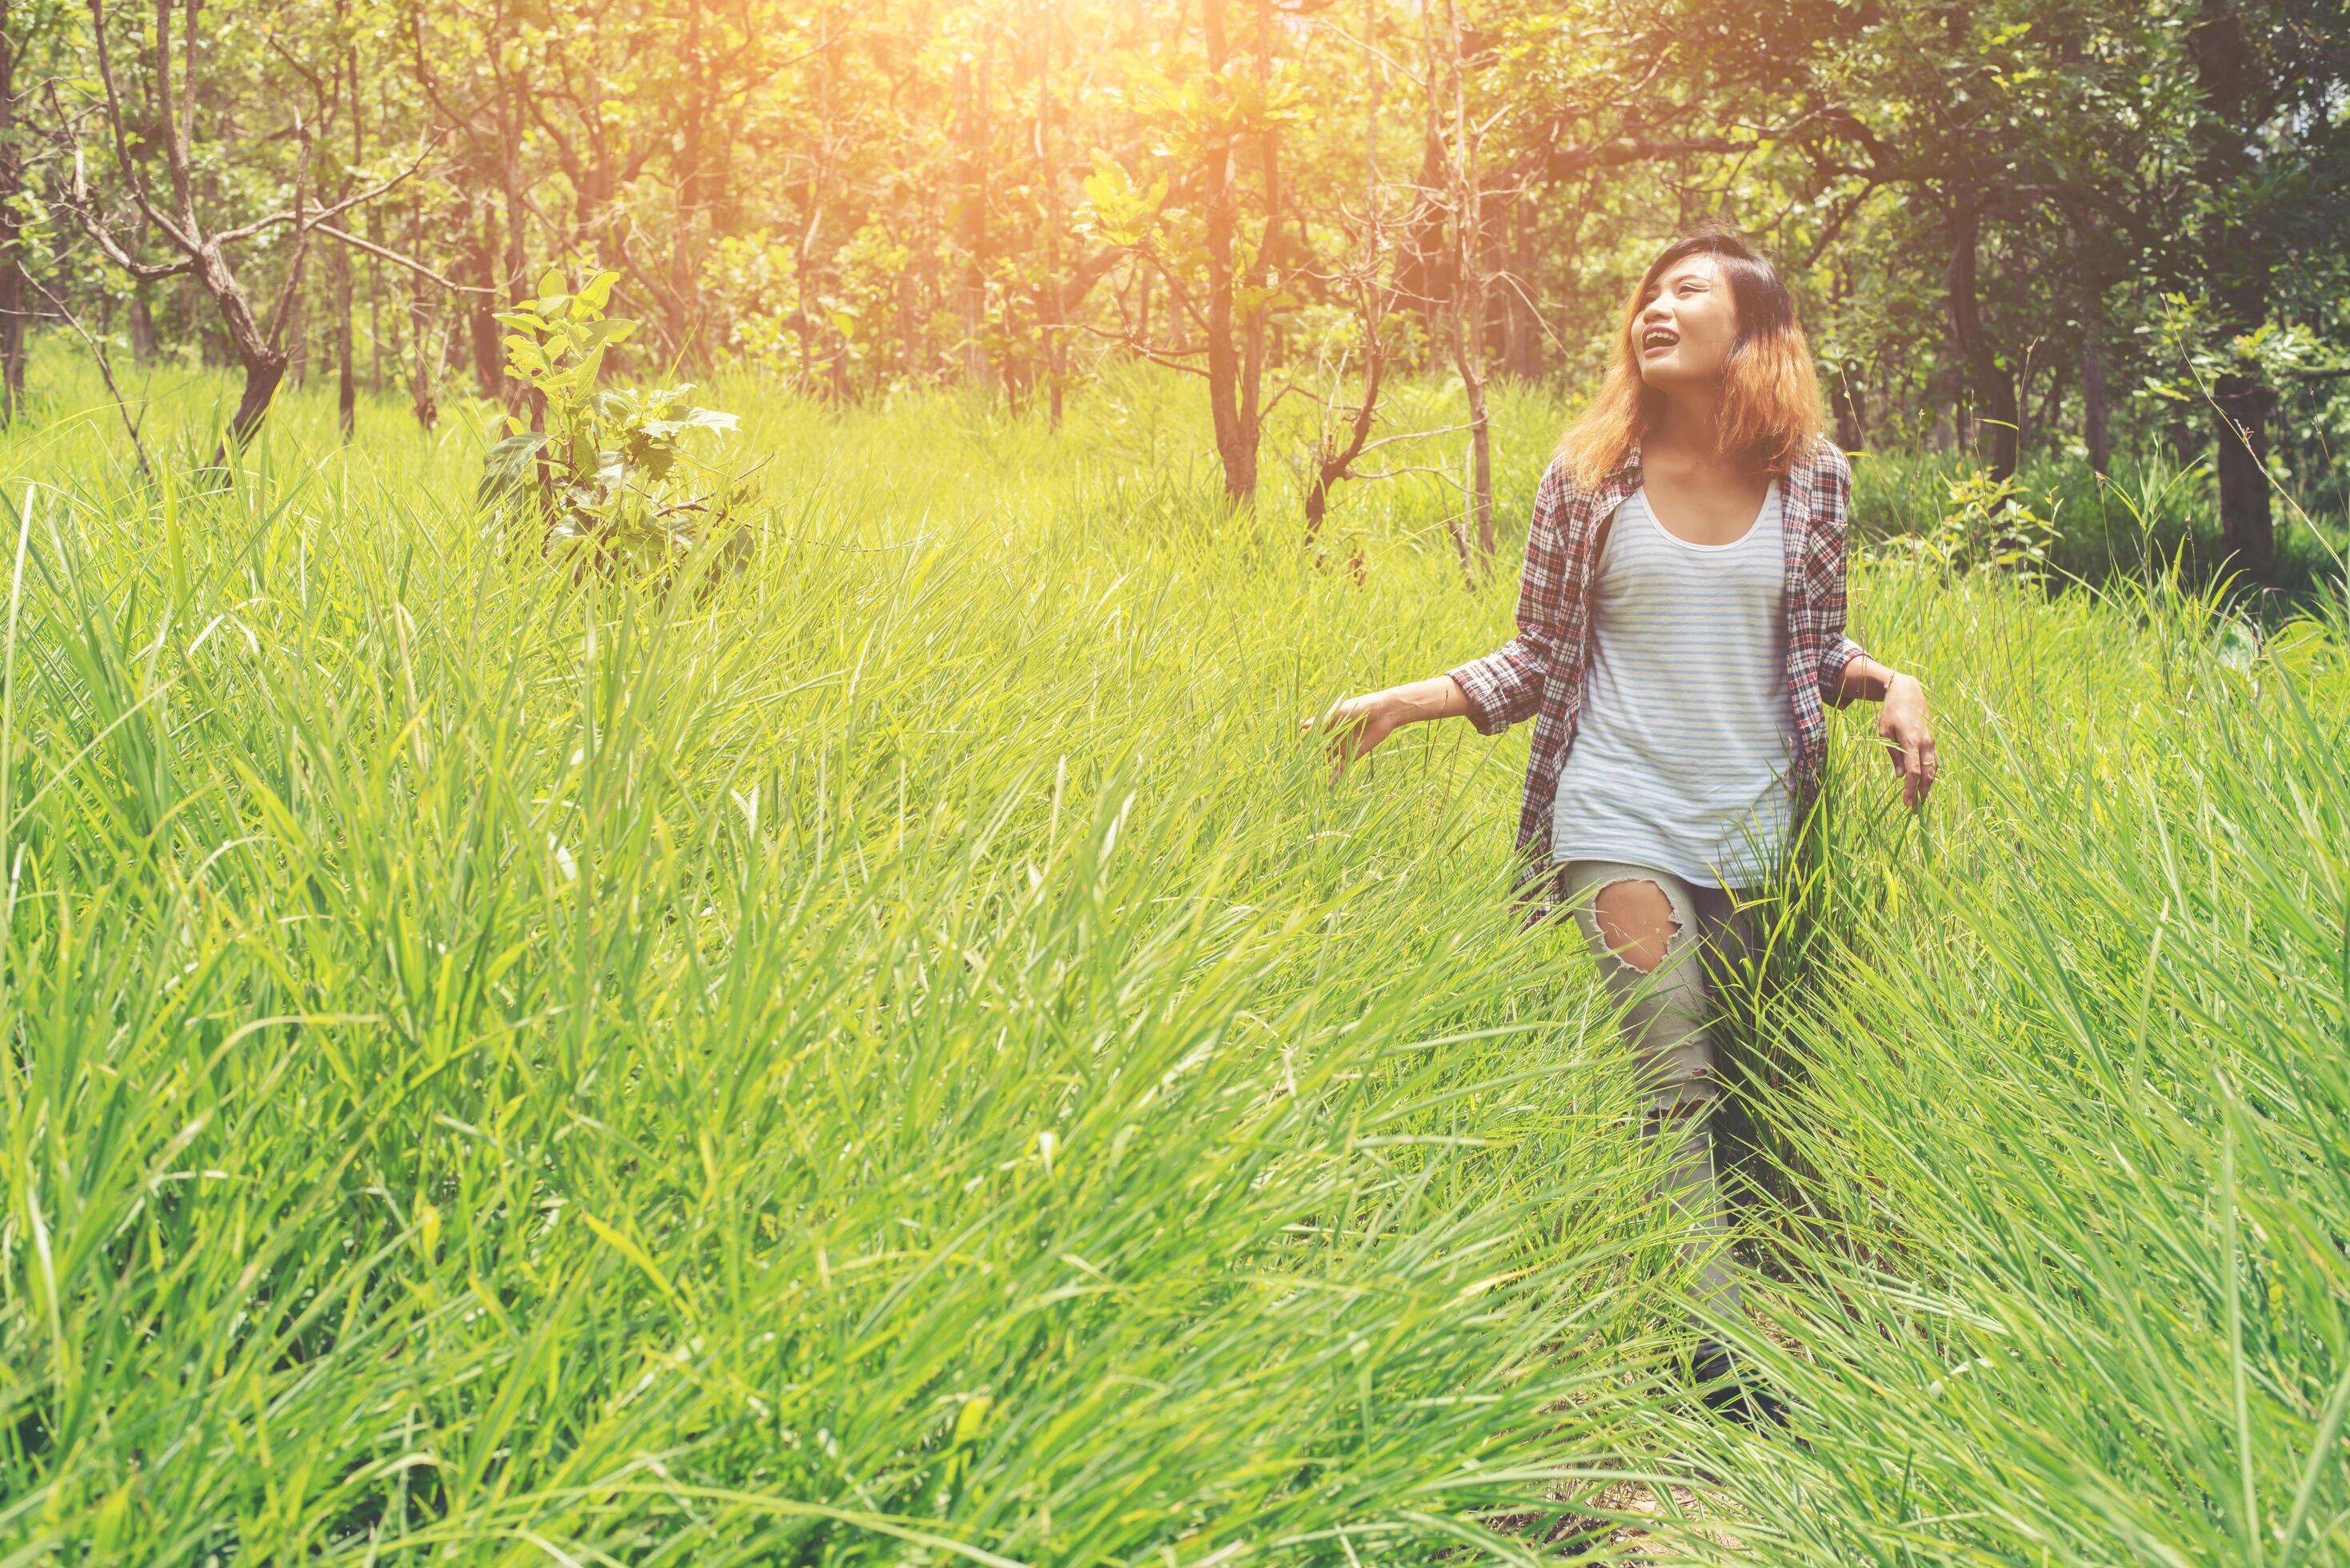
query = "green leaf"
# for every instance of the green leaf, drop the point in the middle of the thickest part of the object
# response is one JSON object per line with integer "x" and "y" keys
{"x": 598, "y": 292}
{"x": 1123, "y": 212}
{"x": 507, "y": 465}
{"x": 577, "y": 376}
{"x": 2238, "y": 646}
{"x": 2304, "y": 646}
{"x": 612, "y": 329}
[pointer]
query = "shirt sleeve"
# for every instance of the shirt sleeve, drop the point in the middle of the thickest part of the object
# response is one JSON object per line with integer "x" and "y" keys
{"x": 1827, "y": 549}
{"x": 1506, "y": 685}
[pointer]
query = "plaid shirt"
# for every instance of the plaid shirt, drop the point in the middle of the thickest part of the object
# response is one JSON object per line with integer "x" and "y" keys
{"x": 1538, "y": 674}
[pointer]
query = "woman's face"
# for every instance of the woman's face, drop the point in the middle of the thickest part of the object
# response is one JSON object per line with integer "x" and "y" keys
{"x": 1685, "y": 325}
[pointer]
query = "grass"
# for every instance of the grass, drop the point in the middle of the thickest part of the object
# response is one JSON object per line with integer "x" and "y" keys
{"x": 904, "y": 1058}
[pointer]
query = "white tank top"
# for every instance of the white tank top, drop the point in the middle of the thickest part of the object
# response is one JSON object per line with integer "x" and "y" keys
{"x": 1681, "y": 756}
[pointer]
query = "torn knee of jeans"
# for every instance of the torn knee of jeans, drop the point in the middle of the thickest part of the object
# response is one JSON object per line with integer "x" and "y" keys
{"x": 1686, "y": 1101}
{"x": 1679, "y": 1101}
{"x": 1636, "y": 922}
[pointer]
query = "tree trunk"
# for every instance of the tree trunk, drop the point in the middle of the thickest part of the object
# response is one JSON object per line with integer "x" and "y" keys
{"x": 1236, "y": 443}
{"x": 1522, "y": 348}
{"x": 339, "y": 267}
{"x": 1335, "y": 460}
{"x": 970, "y": 224}
{"x": 1845, "y": 396}
{"x": 489, "y": 352}
{"x": 263, "y": 374}
{"x": 2228, "y": 74}
{"x": 374, "y": 305}
{"x": 2052, "y": 402}
{"x": 297, "y": 338}
{"x": 12, "y": 274}
{"x": 1048, "y": 169}
{"x": 2024, "y": 433}
{"x": 2184, "y": 446}
{"x": 421, "y": 399}
{"x": 263, "y": 359}
{"x": 144, "y": 345}
{"x": 2096, "y": 400}
{"x": 424, "y": 351}
{"x": 346, "y": 397}
{"x": 1469, "y": 302}
{"x": 1253, "y": 346}
{"x": 2247, "y": 528}
{"x": 1994, "y": 389}
{"x": 1420, "y": 269}
{"x": 2096, "y": 408}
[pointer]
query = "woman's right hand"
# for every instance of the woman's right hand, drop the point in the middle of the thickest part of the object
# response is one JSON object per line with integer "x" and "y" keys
{"x": 1356, "y": 724}
{"x": 1353, "y": 725}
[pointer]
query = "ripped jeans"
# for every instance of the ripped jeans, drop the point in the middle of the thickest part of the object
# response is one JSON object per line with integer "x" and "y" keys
{"x": 1651, "y": 952}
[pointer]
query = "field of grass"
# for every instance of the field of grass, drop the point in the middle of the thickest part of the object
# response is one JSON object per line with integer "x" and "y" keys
{"x": 905, "y": 1058}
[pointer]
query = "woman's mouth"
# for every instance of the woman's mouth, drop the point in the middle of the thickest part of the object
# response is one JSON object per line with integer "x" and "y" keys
{"x": 1657, "y": 338}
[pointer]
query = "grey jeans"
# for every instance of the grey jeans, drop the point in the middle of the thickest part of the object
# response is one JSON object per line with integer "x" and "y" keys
{"x": 1667, "y": 1014}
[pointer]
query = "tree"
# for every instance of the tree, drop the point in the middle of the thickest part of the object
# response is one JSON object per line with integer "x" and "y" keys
{"x": 12, "y": 193}
{"x": 1461, "y": 141}
{"x": 167, "y": 108}
{"x": 1220, "y": 266}
{"x": 2269, "y": 147}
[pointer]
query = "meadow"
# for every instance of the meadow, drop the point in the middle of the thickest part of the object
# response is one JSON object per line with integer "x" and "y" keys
{"x": 902, "y": 1056}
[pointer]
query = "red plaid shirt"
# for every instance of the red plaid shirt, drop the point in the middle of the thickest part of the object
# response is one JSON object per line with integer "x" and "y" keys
{"x": 1538, "y": 674}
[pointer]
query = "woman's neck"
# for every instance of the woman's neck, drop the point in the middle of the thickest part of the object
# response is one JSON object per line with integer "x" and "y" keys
{"x": 1689, "y": 429}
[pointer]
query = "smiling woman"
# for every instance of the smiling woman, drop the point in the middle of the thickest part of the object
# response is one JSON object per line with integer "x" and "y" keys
{"x": 1681, "y": 627}
{"x": 1710, "y": 328}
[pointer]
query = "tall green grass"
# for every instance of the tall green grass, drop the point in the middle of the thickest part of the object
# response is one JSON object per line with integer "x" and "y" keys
{"x": 905, "y": 1057}
{"x": 2068, "y": 1280}
{"x": 899, "y": 1058}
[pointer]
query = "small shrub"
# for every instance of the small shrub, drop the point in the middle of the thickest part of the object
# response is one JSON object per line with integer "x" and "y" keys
{"x": 1986, "y": 523}
{"x": 623, "y": 472}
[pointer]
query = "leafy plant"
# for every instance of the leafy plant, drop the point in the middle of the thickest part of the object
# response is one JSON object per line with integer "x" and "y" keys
{"x": 622, "y": 470}
{"x": 1986, "y": 523}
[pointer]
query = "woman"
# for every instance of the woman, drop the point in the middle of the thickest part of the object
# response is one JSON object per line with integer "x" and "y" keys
{"x": 1681, "y": 623}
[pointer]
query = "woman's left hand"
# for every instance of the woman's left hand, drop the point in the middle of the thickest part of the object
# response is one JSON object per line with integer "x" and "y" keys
{"x": 1902, "y": 725}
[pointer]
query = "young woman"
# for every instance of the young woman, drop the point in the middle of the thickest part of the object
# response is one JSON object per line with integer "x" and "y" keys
{"x": 1681, "y": 623}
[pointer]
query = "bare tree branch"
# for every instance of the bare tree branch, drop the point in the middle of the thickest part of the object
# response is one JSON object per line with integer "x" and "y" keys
{"x": 417, "y": 267}
{"x": 1128, "y": 341}
{"x": 130, "y": 166}
{"x": 360, "y": 199}
{"x": 105, "y": 369}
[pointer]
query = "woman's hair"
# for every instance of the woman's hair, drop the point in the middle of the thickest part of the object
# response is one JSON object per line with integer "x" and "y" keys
{"x": 1770, "y": 399}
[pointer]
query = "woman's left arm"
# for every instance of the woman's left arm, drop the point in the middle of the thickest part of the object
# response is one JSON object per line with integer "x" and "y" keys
{"x": 1846, "y": 671}
{"x": 1901, "y": 720}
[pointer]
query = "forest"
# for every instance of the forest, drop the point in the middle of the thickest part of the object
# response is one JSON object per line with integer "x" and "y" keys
{"x": 661, "y": 901}
{"x": 2034, "y": 228}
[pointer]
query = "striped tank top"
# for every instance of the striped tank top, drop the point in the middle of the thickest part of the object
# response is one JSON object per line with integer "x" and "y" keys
{"x": 1680, "y": 757}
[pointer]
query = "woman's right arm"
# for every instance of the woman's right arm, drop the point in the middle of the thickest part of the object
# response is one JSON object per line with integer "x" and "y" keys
{"x": 1492, "y": 692}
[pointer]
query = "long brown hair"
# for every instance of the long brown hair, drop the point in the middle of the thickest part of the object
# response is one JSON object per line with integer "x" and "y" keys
{"x": 1770, "y": 398}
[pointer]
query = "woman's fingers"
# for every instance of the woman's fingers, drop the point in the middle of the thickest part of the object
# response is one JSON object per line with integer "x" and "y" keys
{"x": 1910, "y": 752}
{"x": 1341, "y": 729}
